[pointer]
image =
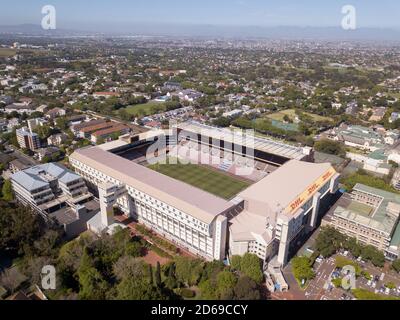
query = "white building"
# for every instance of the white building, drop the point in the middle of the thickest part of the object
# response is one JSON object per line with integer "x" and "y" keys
{"x": 281, "y": 208}
{"x": 49, "y": 187}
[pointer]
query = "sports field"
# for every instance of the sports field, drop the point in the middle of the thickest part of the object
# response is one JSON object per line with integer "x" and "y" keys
{"x": 212, "y": 181}
{"x": 5, "y": 52}
{"x": 291, "y": 113}
{"x": 146, "y": 109}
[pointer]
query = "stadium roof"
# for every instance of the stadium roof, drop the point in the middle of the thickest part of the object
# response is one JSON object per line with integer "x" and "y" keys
{"x": 262, "y": 144}
{"x": 283, "y": 186}
{"x": 201, "y": 204}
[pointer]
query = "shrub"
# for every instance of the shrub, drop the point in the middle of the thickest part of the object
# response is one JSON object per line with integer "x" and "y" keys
{"x": 187, "y": 293}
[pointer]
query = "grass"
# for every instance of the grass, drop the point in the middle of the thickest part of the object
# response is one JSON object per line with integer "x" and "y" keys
{"x": 212, "y": 181}
{"x": 291, "y": 113}
{"x": 5, "y": 52}
{"x": 146, "y": 109}
{"x": 362, "y": 294}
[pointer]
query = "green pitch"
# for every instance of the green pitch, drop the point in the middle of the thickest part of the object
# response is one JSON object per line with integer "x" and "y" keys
{"x": 212, "y": 181}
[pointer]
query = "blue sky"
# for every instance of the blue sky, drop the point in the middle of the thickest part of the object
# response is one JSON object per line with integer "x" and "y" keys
{"x": 97, "y": 13}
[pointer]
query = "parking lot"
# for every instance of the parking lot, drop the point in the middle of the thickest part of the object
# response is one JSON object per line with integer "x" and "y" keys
{"x": 321, "y": 287}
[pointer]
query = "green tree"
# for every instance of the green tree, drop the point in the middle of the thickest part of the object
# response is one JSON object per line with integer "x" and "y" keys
{"x": 19, "y": 229}
{"x": 329, "y": 240}
{"x": 235, "y": 262}
{"x": 207, "y": 289}
{"x": 330, "y": 147}
{"x": 92, "y": 284}
{"x": 7, "y": 191}
{"x": 250, "y": 265}
{"x": 302, "y": 268}
{"x": 188, "y": 270}
{"x": 137, "y": 289}
{"x": 226, "y": 282}
{"x": 396, "y": 265}
{"x": 246, "y": 289}
{"x": 158, "y": 274}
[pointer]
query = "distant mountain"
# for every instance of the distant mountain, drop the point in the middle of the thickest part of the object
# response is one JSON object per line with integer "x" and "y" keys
{"x": 186, "y": 30}
{"x": 35, "y": 30}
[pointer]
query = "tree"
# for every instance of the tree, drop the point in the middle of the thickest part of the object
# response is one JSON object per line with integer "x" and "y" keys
{"x": 226, "y": 281}
{"x": 207, "y": 289}
{"x": 137, "y": 289}
{"x": 158, "y": 274}
{"x": 302, "y": 268}
{"x": 151, "y": 281}
{"x": 92, "y": 284}
{"x": 235, "y": 262}
{"x": 246, "y": 289}
{"x": 188, "y": 270}
{"x": 353, "y": 246}
{"x": 329, "y": 240}
{"x": 330, "y": 147}
{"x": 376, "y": 256}
{"x": 250, "y": 265}
{"x": 19, "y": 229}
{"x": 396, "y": 265}
{"x": 128, "y": 267}
{"x": 7, "y": 191}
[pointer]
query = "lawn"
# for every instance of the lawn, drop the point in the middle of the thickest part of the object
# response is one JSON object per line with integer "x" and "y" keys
{"x": 5, "y": 52}
{"x": 212, "y": 181}
{"x": 291, "y": 113}
{"x": 146, "y": 109}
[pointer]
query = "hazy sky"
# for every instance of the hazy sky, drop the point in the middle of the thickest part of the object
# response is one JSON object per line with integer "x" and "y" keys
{"x": 102, "y": 13}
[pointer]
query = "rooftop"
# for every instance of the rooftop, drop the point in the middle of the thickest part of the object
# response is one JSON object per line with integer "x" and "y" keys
{"x": 39, "y": 176}
{"x": 383, "y": 217}
{"x": 276, "y": 191}
{"x": 262, "y": 144}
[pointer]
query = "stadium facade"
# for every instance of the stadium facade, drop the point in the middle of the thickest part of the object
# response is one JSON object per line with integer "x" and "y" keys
{"x": 267, "y": 219}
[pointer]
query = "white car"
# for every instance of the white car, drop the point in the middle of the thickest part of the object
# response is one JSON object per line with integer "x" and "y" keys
{"x": 369, "y": 283}
{"x": 387, "y": 291}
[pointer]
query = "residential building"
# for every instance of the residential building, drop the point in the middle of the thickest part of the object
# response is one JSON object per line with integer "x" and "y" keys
{"x": 57, "y": 139}
{"x": 27, "y": 139}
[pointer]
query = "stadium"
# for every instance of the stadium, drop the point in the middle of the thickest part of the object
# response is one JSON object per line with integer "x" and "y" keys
{"x": 214, "y": 192}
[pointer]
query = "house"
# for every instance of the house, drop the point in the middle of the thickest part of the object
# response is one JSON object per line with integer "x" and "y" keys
{"x": 42, "y": 108}
{"x": 106, "y": 95}
{"x": 116, "y": 129}
{"x": 377, "y": 114}
{"x": 56, "y": 139}
{"x": 55, "y": 113}
{"x": 189, "y": 95}
{"x": 12, "y": 123}
{"x": 48, "y": 152}
{"x": 76, "y": 128}
{"x": 19, "y": 108}
{"x": 172, "y": 86}
{"x": 18, "y": 165}
{"x": 394, "y": 116}
{"x": 336, "y": 106}
{"x": 352, "y": 108}
{"x": 6, "y": 100}
{"x": 34, "y": 123}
